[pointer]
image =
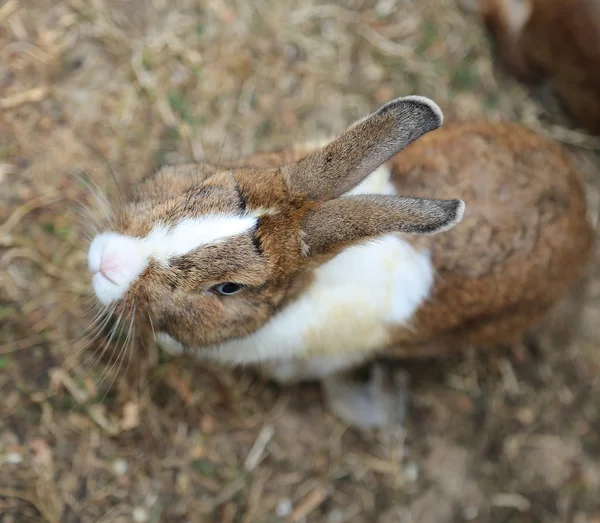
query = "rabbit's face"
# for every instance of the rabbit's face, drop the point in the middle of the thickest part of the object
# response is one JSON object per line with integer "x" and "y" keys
{"x": 209, "y": 263}
{"x": 209, "y": 260}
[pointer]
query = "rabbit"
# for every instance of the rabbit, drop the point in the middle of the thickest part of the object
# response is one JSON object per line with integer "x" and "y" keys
{"x": 556, "y": 40}
{"x": 397, "y": 237}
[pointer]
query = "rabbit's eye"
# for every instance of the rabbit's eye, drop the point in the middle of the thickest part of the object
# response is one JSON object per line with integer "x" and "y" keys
{"x": 227, "y": 289}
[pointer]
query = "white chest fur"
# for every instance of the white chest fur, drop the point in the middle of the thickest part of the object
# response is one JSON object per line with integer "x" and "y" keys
{"x": 348, "y": 308}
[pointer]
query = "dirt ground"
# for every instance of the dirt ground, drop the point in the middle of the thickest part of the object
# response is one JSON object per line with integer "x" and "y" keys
{"x": 127, "y": 86}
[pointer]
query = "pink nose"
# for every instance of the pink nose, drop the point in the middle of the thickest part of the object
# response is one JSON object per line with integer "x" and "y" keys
{"x": 116, "y": 261}
{"x": 117, "y": 257}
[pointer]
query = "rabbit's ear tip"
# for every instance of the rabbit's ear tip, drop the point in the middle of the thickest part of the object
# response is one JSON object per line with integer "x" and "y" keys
{"x": 365, "y": 146}
{"x": 436, "y": 111}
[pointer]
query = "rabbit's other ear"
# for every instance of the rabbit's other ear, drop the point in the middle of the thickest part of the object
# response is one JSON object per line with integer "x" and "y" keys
{"x": 333, "y": 225}
{"x": 370, "y": 142}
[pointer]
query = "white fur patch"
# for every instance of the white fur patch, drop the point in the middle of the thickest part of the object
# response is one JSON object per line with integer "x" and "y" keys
{"x": 346, "y": 312}
{"x": 117, "y": 260}
{"x": 164, "y": 243}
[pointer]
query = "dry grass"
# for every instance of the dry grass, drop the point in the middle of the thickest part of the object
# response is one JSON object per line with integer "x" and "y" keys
{"x": 133, "y": 85}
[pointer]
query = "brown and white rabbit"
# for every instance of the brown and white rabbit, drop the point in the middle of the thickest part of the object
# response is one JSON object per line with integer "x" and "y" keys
{"x": 314, "y": 259}
{"x": 556, "y": 40}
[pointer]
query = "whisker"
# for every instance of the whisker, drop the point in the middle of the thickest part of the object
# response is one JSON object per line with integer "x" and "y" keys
{"x": 187, "y": 135}
{"x": 91, "y": 300}
{"x": 96, "y": 332}
{"x": 96, "y": 323}
{"x": 87, "y": 219}
{"x": 99, "y": 314}
{"x": 104, "y": 310}
{"x": 97, "y": 318}
{"x": 130, "y": 351}
{"x": 151, "y": 325}
{"x": 221, "y": 153}
{"x": 98, "y": 195}
{"x": 83, "y": 221}
{"x": 94, "y": 308}
{"x": 201, "y": 160}
{"x": 95, "y": 313}
{"x": 91, "y": 303}
{"x": 87, "y": 229}
{"x": 81, "y": 212}
{"x": 89, "y": 237}
{"x": 96, "y": 190}
{"x": 89, "y": 206}
{"x": 112, "y": 173}
{"x": 85, "y": 212}
{"x": 113, "y": 331}
{"x": 119, "y": 357}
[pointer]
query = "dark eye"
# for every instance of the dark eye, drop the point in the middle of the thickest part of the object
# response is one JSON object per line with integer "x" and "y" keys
{"x": 227, "y": 289}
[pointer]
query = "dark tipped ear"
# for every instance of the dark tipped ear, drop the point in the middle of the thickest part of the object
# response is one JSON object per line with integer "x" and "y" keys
{"x": 366, "y": 145}
{"x": 333, "y": 225}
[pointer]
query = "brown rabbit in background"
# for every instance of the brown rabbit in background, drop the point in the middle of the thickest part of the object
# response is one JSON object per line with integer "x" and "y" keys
{"x": 312, "y": 260}
{"x": 556, "y": 40}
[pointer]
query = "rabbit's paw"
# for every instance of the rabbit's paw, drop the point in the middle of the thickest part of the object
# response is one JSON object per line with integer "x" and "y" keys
{"x": 380, "y": 401}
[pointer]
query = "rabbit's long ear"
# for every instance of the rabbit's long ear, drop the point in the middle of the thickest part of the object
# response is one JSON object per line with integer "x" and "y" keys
{"x": 333, "y": 225}
{"x": 366, "y": 145}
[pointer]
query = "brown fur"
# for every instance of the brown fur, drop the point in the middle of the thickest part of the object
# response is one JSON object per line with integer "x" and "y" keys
{"x": 560, "y": 40}
{"x": 273, "y": 262}
{"x": 523, "y": 242}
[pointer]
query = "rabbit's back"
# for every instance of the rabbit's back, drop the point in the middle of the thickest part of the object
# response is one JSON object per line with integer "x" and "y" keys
{"x": 524, "y": 239}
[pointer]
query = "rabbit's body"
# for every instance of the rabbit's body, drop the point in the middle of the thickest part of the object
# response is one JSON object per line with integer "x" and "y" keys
{"x": 556, "y": 40}
{"x": 313, "y": 296}
{"x": 523, "y": 242}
